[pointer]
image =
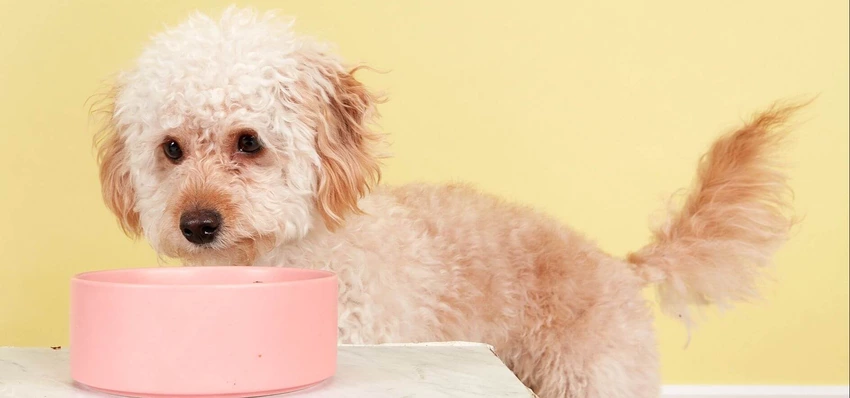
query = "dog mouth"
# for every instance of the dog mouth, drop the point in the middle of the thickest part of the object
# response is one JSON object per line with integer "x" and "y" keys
{"x": 212, "y": 235}
{"x": 223, "y": 250}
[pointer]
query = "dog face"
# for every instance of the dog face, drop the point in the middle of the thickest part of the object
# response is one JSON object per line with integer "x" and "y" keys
{"x": 233, "y": 136}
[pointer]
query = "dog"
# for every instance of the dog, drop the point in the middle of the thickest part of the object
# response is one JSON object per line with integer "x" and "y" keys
{"x": 235, "y": 141}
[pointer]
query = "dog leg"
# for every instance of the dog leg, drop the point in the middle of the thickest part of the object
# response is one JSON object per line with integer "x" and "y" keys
{"x": 598, "y": 346}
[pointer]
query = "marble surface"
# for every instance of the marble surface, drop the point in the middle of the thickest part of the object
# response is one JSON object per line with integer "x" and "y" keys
{"x": 374, "y": 371}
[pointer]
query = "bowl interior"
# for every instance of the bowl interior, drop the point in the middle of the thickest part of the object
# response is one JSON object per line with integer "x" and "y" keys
{"x": 213, "y": 276}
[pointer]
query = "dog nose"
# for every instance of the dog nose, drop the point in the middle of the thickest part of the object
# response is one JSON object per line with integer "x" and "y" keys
{"x": 200, "y": 226}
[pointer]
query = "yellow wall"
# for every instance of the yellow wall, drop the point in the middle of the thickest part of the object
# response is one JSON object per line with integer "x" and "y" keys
{"x": 592, "y": 111}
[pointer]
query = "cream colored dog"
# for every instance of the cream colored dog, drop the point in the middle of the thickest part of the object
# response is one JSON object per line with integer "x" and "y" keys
{"x": 237, "y": 142}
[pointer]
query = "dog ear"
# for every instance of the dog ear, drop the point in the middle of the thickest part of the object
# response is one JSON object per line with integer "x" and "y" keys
{"x": 116, "y": 186}
{"x": 349, "y": 166}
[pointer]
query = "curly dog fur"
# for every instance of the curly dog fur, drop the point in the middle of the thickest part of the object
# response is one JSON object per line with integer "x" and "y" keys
{"x": 418, "y": 262}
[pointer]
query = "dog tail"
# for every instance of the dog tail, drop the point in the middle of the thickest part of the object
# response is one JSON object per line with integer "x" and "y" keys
{"x": 711, "y": 250}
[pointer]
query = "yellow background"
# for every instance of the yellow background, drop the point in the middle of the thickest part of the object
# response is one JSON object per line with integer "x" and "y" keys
{"x": 592, "y": 111}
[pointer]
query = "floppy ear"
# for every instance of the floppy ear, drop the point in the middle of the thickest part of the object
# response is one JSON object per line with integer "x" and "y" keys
{"x": 116, "y": 187}
{"x": 349, "y": 167}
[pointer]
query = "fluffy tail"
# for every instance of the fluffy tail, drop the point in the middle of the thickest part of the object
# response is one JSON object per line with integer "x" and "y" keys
{"x": 734, "y": 219}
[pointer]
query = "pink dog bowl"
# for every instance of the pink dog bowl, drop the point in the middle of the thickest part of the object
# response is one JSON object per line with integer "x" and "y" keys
{"x": 203, "y": 331}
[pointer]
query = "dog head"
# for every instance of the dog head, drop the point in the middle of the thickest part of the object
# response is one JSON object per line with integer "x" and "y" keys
{"x": 231, "y": 136}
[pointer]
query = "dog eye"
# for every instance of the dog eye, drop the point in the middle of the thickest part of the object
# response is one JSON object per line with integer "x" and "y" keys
{"x": 172, "y": 150}
{"x": 249, "y": 143}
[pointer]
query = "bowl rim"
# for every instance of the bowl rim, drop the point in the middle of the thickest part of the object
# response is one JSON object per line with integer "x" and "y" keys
{"x": 321, "y": 275}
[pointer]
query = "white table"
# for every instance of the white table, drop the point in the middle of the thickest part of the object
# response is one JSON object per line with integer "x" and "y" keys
{"x": 374, "y": 371}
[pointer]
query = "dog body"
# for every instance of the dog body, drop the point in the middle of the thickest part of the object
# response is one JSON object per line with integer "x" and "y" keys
{"x": 236, "y": 142}
{"x": 447, "y": 263}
